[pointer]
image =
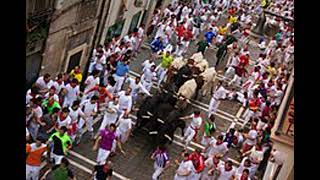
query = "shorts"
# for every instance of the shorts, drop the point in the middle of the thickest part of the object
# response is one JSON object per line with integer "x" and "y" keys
{"x": 102, "y": 156}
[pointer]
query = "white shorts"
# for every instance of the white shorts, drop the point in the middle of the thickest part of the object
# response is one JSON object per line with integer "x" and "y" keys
{"x": 102, "y": 156}
{"x": 32, "y": 172}
{"x": 57, "y": 158}
{"x": 189, "y": 134}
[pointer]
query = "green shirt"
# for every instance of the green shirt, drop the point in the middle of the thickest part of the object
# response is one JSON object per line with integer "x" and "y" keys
{"x": 202, "y": 45}
{"x": 166, "y": 60}
{"x": 65, "y": 140}
{"x": 209, "y": 127}
{"x": 61, "y": 173}
{"x": 50, "y": 108}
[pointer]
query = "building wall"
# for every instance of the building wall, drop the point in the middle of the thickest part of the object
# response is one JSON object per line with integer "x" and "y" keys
{"x": 70, "y": 34}
{"x": 115, "y": 6}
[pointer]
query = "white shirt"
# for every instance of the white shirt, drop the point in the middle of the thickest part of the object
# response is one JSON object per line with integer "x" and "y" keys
{"x": 220, "y": 93}
{"x": 124, "y": 124}
{"x": 58, "y": 86}
{"x": 242, "y": 167}
{"x": 183, "y": 167}
{"x": 72, "y": 93}
{"x": 42, "y": 84}
{"x": 226, "y": 175}
{"x": 256, "y": 156}
{"x": 55, "y": 97}
{"x": 89, "y": 108}
{"x": 37, "y": 112}
{"x": 91, "y": 82}
{"x": 125, "y": 101}
{"x": 217, "y": 149}
{"x": 147, "y": 64}
{"x": 136, "y": 87}
{"x": 112, "y": 116}
{"x": 196, "y": 122}
{"x": 149, "y": 76}
{"x": 253, "y": 135}
{"x": 278, "y": 96}
{"x": 66, "y": 122}
{"x": 74, "y": 114}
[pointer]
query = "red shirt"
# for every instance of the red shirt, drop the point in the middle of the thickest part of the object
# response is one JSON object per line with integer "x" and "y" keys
{"x": 198, "y": 161}
{"x": 187, "y": 35}
{"x": 103, "y": 93}
{"x": 244, "y": 60}
{"x": 180, "y": 30}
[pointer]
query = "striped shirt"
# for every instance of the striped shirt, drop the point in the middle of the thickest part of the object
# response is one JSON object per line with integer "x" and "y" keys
{"x": 161, "y": 158}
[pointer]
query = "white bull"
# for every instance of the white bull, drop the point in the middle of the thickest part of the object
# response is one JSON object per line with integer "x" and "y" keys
{"x": 209, "y": 76}
{"x": 197, "y": 57}
{"x": 188, "y": 89}
{"x": 200, "y": 62}
{"x": 178, "y": 63}
{"x": 203, "y": 65}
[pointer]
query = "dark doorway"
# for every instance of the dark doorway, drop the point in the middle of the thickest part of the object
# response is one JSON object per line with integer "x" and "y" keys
{"x": 33, "y": 66}
{"x": 159, "y": 4}
{"x": 74, "y": 61}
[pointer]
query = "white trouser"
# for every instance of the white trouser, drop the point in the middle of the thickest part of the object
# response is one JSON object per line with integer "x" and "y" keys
{"x": 90, "y": 123}
{"x": 260, "y": 125}
{"x": 119, "y": 82}
{"x": 213, "y": 107}
{"x": 162, "y": 73}
{"x": 229, "y": 72}
{"x": 32, "y": 172}
{"x": 195, "y": 32}
{"x": 102, "y": 156}
{"x": 195, "y": 176}
{"x": 157, "y": 171}
{"x": 236, "y": 79}
{"x": 147, "y": 85}
{"x": 189, "y": 135}
{"x": 248, "y": 115}
{"x": 122, "y": 135}
{"x": 87, "y": 96}
{"x": 68, "y": 102}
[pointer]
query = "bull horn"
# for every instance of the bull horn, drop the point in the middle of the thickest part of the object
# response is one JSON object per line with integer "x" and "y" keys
{"x": 159, "y": 120}
{"x": 153, "y": 132}
{"x": 168, "y": 137}
{"x": 149, "y": 113}
{"x": 146, "y": 117}
{"x": 188, "y": 101}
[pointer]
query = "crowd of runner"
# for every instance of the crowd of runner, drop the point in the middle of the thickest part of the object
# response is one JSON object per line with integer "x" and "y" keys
{"x": 60, "y": 109}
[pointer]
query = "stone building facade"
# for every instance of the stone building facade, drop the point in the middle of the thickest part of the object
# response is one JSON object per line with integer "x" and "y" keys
{"x": 78, "y": 26}
{"x": 70, "y": 36}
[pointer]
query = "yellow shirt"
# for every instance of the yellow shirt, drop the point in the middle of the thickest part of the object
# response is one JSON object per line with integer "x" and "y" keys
{"x": 223, "y": 30}
{"x": 77, "y": 76}
{"x": 272, "y": 71}
{"x": 233, "y": 19}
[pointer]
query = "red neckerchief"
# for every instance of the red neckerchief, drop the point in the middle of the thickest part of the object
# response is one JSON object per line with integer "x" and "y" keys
{"x": 61, "y": 117}
{"x": 217, "y": 143}
{"x": 243, "y": 178}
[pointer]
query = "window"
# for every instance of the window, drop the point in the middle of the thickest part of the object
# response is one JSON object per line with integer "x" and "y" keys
{"x": 134, "y": 21}
{"x": 114, "y": 30}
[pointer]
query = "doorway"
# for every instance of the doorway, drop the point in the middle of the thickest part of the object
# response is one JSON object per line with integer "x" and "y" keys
{"x": 74, "y": 61}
